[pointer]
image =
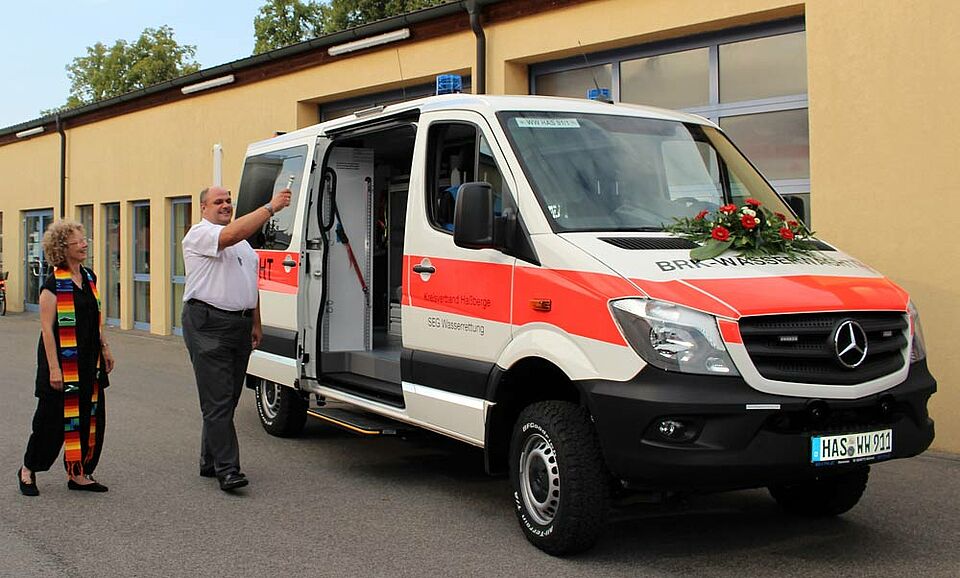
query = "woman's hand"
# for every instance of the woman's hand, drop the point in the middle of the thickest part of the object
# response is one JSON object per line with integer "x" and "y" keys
{"x": 56, "y": 379}
{"x": 108, "y": 359}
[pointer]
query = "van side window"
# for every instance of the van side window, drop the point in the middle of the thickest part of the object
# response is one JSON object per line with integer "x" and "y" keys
{"x": 457, "y": 154}
{"x": 264, "y": 175}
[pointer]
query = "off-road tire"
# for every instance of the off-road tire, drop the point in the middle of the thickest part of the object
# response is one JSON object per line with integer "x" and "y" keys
{"x": 282, "y": 410}
{"x": 823, "y": 496}
{"x": 3, "y": 305}
{"x": 557, "y": 440}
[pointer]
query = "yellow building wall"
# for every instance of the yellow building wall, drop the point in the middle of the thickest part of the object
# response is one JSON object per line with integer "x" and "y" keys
{"x": 29, "y": 179}
{"x": 884, "y": 146}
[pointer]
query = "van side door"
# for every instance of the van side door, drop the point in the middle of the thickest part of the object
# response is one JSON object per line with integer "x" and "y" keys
{"x": 457, "y": 301}
{"x": 277, "y": 244}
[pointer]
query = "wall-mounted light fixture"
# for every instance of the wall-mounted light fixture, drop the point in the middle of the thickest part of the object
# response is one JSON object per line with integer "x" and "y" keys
{"x": 369, "y": 42}
{"x": 30, "y": 132}
{"x": 207, "y": 84}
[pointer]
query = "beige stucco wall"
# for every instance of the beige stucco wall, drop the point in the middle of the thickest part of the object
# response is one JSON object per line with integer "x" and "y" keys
{"x": 884, "y": 145}
{"x": 882, "y": 133}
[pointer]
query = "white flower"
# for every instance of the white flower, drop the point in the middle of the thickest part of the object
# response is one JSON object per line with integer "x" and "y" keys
{"x": 748, "y": 211}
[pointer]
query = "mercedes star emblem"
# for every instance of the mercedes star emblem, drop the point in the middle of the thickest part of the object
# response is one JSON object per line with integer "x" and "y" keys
{"x": 850, "y": 344}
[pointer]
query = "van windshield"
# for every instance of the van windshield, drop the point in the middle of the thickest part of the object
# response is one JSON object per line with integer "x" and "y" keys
{"x": 596, "y": 172}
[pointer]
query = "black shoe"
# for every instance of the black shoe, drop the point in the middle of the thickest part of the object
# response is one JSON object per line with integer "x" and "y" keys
{"x": 93, "y": 486}
{"x": 28, "y": 489}
{"x": 233, "y": 481}
{"x": 208, "y": 473}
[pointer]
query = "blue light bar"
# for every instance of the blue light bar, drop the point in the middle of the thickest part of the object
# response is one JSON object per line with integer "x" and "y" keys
{"x": 449, "y": 84}
{"x": 601, "y": 94}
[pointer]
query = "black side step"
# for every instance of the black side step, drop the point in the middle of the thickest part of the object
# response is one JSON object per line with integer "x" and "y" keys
{"x": 358, "y": 421}
{"x": 363, "y": 386}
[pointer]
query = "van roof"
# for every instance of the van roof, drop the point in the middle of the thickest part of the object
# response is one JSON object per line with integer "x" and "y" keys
{"x": 493, "y": 104}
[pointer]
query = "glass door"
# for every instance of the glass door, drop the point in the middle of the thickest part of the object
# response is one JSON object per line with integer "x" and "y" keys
{"x": 35, "y": 268}
{"x": 180, "y": 221}
{"x": 141, "y": 266}
{"x": 110, "y": 292}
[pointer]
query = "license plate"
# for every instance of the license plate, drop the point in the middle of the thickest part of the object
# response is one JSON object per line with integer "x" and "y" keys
{"x": 853, "y": 447}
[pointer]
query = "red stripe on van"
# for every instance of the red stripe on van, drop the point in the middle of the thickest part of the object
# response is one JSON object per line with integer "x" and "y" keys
{"x": 469, "y": 288}
{"x": 578, "y": 301}
{"x": 274, "y": 276}
{"x": 805, "y": 294}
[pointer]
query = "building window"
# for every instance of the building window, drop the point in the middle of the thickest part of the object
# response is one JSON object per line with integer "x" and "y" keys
{"x": 677, "y": 80}
{"x": 85, "y": 218}
{"x": 141, "y": 265}
{"x": 180, "y": 222}
{"x": 110, "y": 291}
{"x": 752, "y": 82}
{"x": 575, "y": 83}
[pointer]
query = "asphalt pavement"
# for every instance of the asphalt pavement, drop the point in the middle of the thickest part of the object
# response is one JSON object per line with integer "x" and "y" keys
{"x": 331, "y": 503}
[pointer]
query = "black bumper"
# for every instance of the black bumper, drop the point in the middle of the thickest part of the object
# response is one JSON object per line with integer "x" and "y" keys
{"x": 729, "y": 446}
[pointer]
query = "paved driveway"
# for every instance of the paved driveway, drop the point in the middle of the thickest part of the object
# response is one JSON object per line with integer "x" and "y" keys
{"x": 333, "y": 504}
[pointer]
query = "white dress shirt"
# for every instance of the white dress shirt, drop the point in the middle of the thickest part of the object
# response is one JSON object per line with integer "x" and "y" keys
{"x": 227, "y": 278}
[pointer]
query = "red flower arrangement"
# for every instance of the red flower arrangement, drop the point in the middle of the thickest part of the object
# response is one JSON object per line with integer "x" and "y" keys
{"x": 751, "y": 230}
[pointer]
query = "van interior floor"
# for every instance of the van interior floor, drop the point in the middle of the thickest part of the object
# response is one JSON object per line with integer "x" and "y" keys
{"x": 373, "y": 374}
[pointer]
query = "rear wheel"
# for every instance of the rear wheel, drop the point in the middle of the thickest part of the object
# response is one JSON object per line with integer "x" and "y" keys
{"x": 560, "y": 482}
{"x": 3, "y": 305}
{"x": 282, "y": 410}
{"x": 822, "y": 496}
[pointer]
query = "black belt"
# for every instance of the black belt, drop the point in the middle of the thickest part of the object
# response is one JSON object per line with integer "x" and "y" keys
{"x": 240, "y": 313}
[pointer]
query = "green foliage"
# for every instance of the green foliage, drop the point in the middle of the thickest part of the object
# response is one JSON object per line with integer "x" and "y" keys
{"x": 284, "y": 22}
{"x": 106, "y": 72}
{"x": 751, "y": 230}
{"x": 343, "y": 14}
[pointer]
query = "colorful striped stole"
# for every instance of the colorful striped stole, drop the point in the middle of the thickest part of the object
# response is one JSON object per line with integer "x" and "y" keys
{"x": 67, "y": 332}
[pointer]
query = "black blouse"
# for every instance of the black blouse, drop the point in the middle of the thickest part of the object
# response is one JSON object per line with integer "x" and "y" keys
{"x": 88, "y": 335}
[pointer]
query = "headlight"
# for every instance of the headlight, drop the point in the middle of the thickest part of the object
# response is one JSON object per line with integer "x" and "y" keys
{"x": 672, "y": 337}
{"x": 919, "y": 350}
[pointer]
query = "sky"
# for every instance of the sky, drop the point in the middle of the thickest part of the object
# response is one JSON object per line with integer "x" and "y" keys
{"x": 38, "y": 38}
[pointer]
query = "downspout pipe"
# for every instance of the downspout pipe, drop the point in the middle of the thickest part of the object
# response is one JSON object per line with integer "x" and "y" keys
{"x": 480, "y": 82}
{"x": 63, "y": 167}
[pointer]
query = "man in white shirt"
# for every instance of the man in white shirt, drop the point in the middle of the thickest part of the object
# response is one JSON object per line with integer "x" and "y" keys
{"x": 221, "y": 321}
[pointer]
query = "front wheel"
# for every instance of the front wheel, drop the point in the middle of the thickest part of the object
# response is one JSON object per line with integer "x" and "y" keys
{"x": 822, "y": 496}
{"x": 282, "y": 410}
{"x": 560, "y": 482}
{"x": 3, "y": 305}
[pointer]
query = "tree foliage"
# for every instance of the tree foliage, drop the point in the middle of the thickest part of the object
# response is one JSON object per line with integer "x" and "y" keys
{"x": 106, "y": 72}
{"x": 284, "y": 22}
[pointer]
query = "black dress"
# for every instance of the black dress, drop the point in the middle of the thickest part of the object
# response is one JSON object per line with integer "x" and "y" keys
{"x": 47, "y": 437}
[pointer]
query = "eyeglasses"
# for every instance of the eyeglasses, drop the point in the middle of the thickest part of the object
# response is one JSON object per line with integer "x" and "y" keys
{"x": 86, "y": 241}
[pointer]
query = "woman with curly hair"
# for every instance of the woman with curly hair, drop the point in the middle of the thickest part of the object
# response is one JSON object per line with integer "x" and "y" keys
{"x": 73, "y": 360}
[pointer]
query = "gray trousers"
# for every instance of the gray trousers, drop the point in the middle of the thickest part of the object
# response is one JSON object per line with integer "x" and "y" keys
{"x": 219, "y": 346}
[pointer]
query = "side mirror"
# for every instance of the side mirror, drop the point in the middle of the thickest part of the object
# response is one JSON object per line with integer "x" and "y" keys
{"x": 796, "y": 203}
{"x": 473, "y": 219}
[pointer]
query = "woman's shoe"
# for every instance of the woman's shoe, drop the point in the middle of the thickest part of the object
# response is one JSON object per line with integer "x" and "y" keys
{"x": 93, "y": 486}
{"x": 28, "y": 489}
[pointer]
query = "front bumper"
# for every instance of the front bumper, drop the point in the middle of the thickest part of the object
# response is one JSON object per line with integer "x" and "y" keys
{"x": 735, "y": 447}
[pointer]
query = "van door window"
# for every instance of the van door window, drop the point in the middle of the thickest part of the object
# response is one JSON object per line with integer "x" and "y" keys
{"x": 458, "y": 154}
{"x": 264, "y": 175}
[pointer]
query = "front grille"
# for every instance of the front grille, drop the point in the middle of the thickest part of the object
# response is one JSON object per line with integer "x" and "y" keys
{"x": 800, "y": 348}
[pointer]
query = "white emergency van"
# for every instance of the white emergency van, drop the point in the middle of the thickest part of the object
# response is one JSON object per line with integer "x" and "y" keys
{"x": 495, "y": 269}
